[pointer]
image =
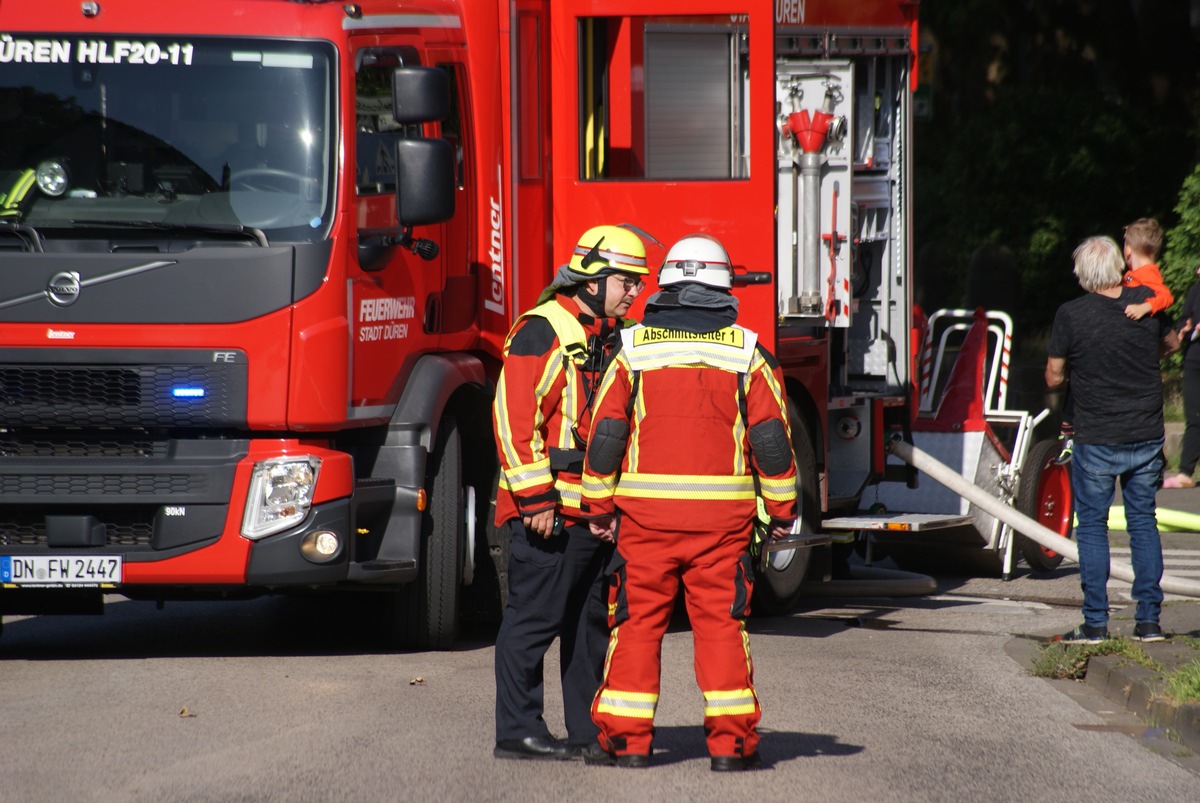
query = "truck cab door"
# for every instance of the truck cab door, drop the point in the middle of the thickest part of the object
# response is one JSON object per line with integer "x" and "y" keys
{"x": 391, "y": 287}
{"x": 452, "y": 311}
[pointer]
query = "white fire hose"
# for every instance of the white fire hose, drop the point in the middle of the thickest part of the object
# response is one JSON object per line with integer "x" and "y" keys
{"x": 1019, "y": 521}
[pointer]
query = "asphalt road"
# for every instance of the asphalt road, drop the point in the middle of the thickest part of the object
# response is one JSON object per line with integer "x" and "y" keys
{"x": 913, "y": 699}
{"x": 910, "y": 699}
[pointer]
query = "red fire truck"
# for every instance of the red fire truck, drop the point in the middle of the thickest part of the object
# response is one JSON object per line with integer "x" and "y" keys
{"x": 257, "y": 264}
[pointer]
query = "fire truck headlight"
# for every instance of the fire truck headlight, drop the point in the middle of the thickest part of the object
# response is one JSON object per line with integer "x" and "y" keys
{"x": 321, "y": 546}
{"x": 280, "y": 495}
{"x": 52, "y": 178}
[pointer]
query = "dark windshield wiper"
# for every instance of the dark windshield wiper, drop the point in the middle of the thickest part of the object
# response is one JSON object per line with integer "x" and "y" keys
{"x": 27, "y": 234}
{"x": 205, "y": 228}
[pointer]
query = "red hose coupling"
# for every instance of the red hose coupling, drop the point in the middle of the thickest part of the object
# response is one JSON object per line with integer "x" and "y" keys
{"x": 809, "y": 131}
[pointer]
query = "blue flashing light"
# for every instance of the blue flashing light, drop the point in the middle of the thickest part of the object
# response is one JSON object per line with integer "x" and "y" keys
{"x": 187, "y": 393}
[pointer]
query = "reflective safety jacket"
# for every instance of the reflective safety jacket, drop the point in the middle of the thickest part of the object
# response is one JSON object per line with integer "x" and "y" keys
{"x": 541, "y": 411}
{"x": 696, "y": 449}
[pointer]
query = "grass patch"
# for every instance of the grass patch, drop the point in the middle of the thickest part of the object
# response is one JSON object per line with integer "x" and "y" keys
{"x": 1183, "y": 685}
{"x": 1069, "y": 661}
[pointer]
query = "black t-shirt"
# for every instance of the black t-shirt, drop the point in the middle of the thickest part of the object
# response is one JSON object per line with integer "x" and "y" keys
{"x": 1113, "y": 368}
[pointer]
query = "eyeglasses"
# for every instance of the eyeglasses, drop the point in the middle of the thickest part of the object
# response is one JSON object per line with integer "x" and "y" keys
{"x": 631, "y": 284}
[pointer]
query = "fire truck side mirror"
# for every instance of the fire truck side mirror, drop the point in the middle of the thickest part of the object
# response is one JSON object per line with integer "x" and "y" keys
{"x": 424, "y": 181}
{"x": 420, "y": 95}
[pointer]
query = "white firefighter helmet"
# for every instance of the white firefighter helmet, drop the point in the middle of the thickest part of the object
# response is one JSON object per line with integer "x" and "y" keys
{"x": 697, "y": 258}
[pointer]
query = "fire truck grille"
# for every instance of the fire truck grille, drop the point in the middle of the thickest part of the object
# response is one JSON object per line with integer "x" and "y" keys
{"x": 60, "y": 485}
{"x": 163, "y": 395}
{"x": 129, "y": 526}
{"x": 47, "y": 444}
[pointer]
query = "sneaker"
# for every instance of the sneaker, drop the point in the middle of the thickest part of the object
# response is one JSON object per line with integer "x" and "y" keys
{"x": 1179, "y": 481}
{"x": 1084, "y": 634}
{"x": 1064, "y": 456}
{"x": 1148, "y": 631}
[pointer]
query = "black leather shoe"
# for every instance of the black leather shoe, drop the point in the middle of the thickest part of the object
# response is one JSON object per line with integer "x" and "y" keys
{"x": 591, "y": 753}
{"x": 633, "y": 761}
{"x": 600, "y": 758}
{"x": 539, "y": 748}
{"x": 736, "y": 763}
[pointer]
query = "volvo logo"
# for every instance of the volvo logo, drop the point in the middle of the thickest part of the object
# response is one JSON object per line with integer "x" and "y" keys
{"x": 63, "y": 289}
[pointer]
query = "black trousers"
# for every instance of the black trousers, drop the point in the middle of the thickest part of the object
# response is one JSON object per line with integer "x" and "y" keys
{"x": 556, "y": 587}
{"x": 1190, "y": 450}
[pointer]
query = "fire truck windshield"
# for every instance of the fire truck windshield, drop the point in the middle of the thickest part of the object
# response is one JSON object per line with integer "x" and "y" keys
{"x": 192, "y": 131}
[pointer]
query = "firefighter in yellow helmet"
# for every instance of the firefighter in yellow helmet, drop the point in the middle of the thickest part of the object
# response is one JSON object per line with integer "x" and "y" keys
{"x": 690, "y": 429}
{"x": 553, "y": 359}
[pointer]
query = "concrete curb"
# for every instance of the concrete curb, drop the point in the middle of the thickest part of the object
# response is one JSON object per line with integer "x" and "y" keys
{"x": 1140, "y": 691}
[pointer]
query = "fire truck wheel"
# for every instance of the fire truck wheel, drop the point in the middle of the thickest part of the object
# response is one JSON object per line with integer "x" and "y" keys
{"x": 1044, "y": 495}
{"x": 497, "y": 546}
{"x": 429, "y": 616}
{"x": 777, "y": 586}
{"x": 485, "y": 598}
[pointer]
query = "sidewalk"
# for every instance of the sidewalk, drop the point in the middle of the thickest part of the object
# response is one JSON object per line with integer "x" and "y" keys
{"x": 1138, "y": 688}
{"x": 1135, "y": 687}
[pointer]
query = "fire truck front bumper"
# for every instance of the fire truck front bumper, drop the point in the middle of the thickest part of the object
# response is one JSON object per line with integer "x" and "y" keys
{"x": 317, "y": 553}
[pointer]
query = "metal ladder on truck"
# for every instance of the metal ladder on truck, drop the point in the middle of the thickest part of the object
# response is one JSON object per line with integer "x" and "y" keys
{"x": 964, "y": 423}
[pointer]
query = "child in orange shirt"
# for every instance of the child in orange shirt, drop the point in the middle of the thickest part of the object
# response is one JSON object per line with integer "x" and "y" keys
{"x": 1143, "y": 244}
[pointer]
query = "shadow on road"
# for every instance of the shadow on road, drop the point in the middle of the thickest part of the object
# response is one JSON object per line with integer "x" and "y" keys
{"x": 679, "y": 743}
{"x": 281, "y": 626}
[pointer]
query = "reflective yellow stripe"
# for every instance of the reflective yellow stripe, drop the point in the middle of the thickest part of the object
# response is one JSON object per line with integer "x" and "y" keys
{"x": 569, "y": 493}
{"x": 682, "y": 357}
{"x": 633, "y": 454}
{"x": 518, "y": 478}
{"x": 778, "y": 490}
{"x": 729, "y": 703}
{"x": 685, "y": 486}
{"x": 739, "y": 434}
{"x": 538, "y": 444}
{"x": 599, "y": 486}
{"x": 501, "y": 418}
{"x": 633, "y": 704}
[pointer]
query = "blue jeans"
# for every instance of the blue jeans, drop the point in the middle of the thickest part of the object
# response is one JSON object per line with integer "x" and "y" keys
{"x": 1095, "y": 469}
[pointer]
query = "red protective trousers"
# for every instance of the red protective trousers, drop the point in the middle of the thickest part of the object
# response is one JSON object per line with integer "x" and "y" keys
{"x": 717, "y": 578}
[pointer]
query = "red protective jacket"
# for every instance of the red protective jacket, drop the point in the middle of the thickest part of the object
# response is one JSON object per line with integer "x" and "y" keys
{"x": 541, "y": 403}
{"x": 687, "y": 463}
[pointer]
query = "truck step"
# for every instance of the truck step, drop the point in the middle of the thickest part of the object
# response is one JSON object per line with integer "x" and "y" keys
{"x": 897, "y": 522}
{"x": 382, "y": 571}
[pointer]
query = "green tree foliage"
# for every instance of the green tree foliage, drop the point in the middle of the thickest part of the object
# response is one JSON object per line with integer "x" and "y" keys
{"x": 1052, "y": 121}
{"x": 1182, "y": 255}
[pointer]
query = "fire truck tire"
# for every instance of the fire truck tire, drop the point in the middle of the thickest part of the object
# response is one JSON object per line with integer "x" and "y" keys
{"x": 429, "y": 613}
{"x": 777, "y": 586}
{"x": 485, "y": 598}
{"x": 497, "y": 546}
{"x": 1044, "y": 494}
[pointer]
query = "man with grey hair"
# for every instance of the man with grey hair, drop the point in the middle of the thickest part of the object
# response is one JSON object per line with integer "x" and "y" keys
{"x": 1112, "y": 364}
